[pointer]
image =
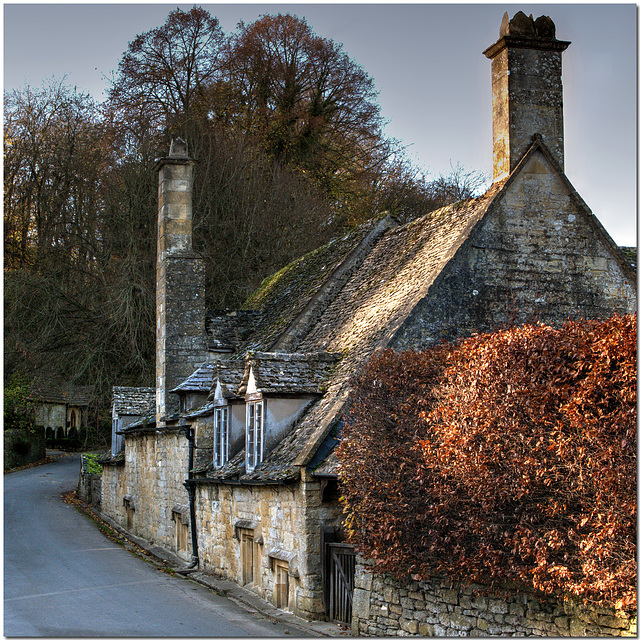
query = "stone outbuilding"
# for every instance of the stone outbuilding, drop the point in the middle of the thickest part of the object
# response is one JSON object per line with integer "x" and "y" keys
{"x": 62, "y": 409}
{"x": 128, "y": 405}
{"x": 235, "y": 470}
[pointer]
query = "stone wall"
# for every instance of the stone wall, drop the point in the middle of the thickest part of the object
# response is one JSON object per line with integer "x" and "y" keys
{"x": 112, "y": 492}
{"x": 23, "y": 446}
{"x": 143, "y": 494}
{"x": 383, "y": 606}
{"x": 535, "y": 256}
{"x": 285, "y": 521}
{"x": 90, "y": 488}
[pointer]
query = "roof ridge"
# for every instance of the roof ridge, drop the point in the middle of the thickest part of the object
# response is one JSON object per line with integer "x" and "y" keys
{"x": 300, "y": 326}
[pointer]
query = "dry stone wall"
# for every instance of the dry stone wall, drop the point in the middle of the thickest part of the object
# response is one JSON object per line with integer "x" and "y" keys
{"x": 383, "y": 606}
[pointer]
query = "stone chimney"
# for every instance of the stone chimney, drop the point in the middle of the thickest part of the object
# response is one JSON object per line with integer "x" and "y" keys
{"x": 180, "y": 281}
{"x": 526, "y": 76}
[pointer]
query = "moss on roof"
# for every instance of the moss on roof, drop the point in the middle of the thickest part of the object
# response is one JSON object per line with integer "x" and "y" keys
{"x": 282, "y": 296}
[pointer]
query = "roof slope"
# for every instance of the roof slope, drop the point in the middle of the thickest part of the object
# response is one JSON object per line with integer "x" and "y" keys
{"x": 288, "y": 373}
{"x": 59, "y": 391}
{"x": 134, "y": 401}
{"x": 282, "y": 298}
{"x": 360, "y": 311}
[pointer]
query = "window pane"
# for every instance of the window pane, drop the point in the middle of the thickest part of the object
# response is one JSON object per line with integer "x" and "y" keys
{"x": 220, "y": 446}
{"x": 250, "y": 436}
{"x": 258, "y": 437}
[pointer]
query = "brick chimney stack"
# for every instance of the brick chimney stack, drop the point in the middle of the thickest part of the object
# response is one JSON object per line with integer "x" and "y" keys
{"x": 180, "y": 281}
{"x": 526, "y": 75}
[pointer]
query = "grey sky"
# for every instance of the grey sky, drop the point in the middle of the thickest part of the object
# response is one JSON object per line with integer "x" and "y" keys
{"x": 427, "y": 63}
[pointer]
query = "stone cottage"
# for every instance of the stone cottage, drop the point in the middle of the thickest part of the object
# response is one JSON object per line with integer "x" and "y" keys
{"x": 235, "y": 470}
{"x": 128, "y": 405}
{"x": 62, "y": 409}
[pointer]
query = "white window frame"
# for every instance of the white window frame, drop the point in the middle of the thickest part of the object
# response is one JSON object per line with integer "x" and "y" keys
{"x": 220, "y": 436}
{"x": 254, "y": 443}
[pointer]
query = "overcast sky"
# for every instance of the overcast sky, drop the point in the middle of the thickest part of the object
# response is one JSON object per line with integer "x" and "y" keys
{"x": 426, "y": 60}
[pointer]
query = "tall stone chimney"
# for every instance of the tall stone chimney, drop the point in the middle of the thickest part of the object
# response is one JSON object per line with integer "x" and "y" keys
{"x": 180, "y": 281}
{"x": 526, "y": 76}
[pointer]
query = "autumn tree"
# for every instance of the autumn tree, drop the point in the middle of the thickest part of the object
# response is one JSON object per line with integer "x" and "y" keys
{"x": 301, "y": 93}
{"x": 54, "y": 153}
{"x": 252, "y": 216}
{"x": 78, "y": 290}
{"x": 306, "y": 100}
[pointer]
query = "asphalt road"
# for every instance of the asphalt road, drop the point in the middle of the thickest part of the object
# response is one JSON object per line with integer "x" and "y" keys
{"x": 62, "y": 577}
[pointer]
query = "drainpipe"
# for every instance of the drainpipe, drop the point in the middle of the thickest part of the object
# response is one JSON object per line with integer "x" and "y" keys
{"x": 188, "y": 432}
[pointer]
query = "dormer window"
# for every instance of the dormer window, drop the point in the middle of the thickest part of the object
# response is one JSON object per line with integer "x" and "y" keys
{"x": 255, "y": 434}
{"x": 221, "y": 436}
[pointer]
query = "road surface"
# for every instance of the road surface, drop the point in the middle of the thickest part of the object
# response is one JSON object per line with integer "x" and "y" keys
{"x": 62, "y": 577}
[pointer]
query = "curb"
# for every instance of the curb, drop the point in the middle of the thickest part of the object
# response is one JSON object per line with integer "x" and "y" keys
{"x": 167, "y": 561}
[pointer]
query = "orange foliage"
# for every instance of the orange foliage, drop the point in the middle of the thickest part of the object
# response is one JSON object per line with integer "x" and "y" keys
{"x": 506, "y": 457}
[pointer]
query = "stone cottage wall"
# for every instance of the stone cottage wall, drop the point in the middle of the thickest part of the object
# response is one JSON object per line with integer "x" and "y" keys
{"x": 383, "y": 606}
{"x": 151, "y": 484}
{"x": 155, "y": 471}
{"x": 285, "y": 520}
{"x": 536, "y": 256}
{"x": 112, "y": 492}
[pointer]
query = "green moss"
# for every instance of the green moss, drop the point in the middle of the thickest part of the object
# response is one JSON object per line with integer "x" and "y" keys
{"x": 268, "y": 285}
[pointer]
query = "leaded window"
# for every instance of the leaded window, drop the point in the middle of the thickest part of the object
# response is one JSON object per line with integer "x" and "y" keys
{"x": 255, "y": 434}
{"x": 221, "y": 436}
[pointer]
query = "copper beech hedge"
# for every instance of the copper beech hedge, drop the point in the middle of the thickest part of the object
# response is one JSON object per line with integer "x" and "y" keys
{"x": 505, "y": 458}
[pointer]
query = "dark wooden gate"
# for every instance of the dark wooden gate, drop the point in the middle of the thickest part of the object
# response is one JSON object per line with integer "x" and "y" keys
{"x": 342, "y": 569}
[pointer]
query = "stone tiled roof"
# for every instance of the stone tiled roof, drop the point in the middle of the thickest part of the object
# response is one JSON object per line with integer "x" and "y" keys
{"x": 134, "y": 401}
{"x": 288, "y": 373}
{"x": 229, "y": 373}
{"x": 199, "y": 381}
{"x": 282, "y": 298}
{"x": 58, "y": 391}
{"x": 354, "y": 312}
{"x": 145, "y": 423}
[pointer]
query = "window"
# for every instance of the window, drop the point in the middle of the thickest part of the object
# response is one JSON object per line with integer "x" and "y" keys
{"x": 255, "y": 434}
{"x": 221, "y": 436}
{"x": 186, "y": 402}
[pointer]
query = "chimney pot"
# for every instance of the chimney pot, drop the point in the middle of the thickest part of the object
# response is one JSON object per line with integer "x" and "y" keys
{"x": 178, "y": 149}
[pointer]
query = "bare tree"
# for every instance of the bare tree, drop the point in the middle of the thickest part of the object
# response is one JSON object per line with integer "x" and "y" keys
{"x": 165, "y": 69}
